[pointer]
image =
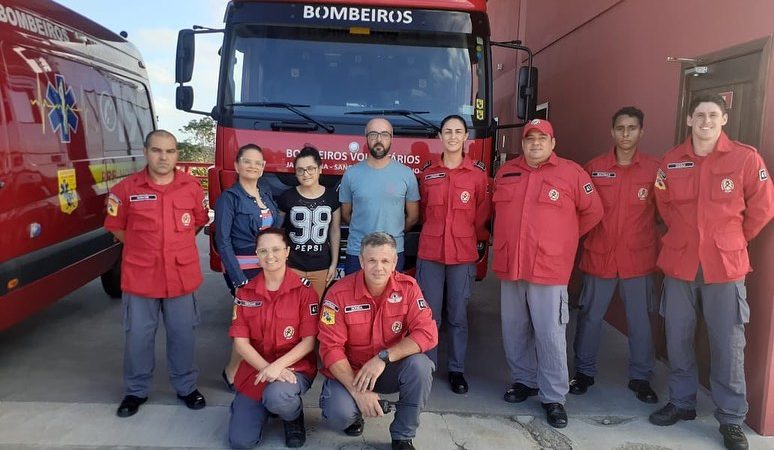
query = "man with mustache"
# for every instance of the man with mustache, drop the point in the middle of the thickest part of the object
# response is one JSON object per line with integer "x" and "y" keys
{"x": 378, "y": 194}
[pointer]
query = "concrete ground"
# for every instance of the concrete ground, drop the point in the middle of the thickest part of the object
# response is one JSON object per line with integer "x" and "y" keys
{"x": 60, "y": 383}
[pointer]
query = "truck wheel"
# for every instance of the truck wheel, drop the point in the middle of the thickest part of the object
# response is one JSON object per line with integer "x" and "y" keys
{"x": 111, "y": 281}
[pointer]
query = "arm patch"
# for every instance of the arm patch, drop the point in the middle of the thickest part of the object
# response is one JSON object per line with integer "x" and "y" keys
{"x": 763, "y": 175}
{"x": 480, "y": 165}
{"x": 588, "y": 188}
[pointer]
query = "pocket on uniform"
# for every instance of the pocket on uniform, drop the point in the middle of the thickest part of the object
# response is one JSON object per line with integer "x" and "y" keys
{"x": 288, "y": 320}
{"x": 183, "y": 211}
{"x": 359, "y": 327}
{"x": 733, "y": 252}
{"x": 744, "y": 307}
{"x": 682, "y": 188}
{"x": 500, "y": 259}
{"x": 564, "y": 307}
{"x": 549, "y": 259}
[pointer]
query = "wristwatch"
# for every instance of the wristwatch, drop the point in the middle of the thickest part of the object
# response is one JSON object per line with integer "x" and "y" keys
{"x": 384, "y": 355}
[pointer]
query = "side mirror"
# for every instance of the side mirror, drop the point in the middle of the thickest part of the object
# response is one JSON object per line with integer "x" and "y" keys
{"x": 184, "y": 60}
{"x": 184, "y": 97}
{"x": 527, "y": 89}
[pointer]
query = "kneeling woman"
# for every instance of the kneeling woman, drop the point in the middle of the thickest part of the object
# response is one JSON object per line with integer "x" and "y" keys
{"x": 274, "y": 326}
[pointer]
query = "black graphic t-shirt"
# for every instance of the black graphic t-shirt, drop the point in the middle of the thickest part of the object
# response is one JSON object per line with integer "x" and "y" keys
{"x": 307, "y": 222}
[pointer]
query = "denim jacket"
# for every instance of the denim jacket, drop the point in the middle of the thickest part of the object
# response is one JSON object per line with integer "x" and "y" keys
{"x": 237, "y": 222}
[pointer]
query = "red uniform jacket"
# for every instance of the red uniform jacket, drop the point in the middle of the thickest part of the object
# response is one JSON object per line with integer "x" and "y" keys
{"x": 713, "y": 206}
{"x": 455, "y": 212}
{"x": 160, "y": 258}
{"x": 539, "y": 215}
{"x": 275, "y": 322}
{"x": 625, "y": 243}
{"x": 355, "y": 326}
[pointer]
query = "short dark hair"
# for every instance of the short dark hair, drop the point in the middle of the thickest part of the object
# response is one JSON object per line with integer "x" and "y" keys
{"x": 630, "y": 111}
{"x": 275, "y": 231}
{"x": 453, "y": 116}
{"x": 245, "y": 148}
{"x": 707, "y": 98}
{"x": 162, "y": 133}
{"x": 309, "y": 151}
{"x": 377, "y": 239}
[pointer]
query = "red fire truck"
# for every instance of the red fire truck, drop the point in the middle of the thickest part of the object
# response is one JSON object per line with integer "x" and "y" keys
{"x": 76, "y": 106}
{"x": 315, "y": 72}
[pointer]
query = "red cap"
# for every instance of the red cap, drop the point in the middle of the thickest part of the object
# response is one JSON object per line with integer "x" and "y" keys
{"x": 541, "y": 125}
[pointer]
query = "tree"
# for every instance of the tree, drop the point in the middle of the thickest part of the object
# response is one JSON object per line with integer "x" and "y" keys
{"x": 193, "y": 152}
{"x": 200, "y": 145}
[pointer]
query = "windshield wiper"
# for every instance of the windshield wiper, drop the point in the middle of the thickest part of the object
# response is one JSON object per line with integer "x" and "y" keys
{"x": 413, "y": 115}
{"x": 289, "y": 107}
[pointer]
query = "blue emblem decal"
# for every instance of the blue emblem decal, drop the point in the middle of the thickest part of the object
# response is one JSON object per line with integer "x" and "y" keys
{"x": 62, "y": 116}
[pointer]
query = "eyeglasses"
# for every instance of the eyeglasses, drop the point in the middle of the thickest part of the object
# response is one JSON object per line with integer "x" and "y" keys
{"x": 252, "y": 162}
{"x": 264, "y": 252}
{"x": 311, "y": 170}
{"x": 374, "y": 135}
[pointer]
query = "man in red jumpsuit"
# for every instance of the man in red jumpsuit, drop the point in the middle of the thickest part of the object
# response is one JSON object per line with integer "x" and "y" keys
{"x": 374, "y": 328}
{"x": 620, "y": 253}
{"x": 542, "y": 204}
{"x": 156, "y": 213}
{"x": 715, "y": 195}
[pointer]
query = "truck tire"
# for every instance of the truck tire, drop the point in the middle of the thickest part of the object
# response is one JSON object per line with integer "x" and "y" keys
{"x": 111, "y": 281}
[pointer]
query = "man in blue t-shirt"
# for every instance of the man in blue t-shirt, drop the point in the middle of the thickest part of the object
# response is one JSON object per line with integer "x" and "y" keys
{"x": 378, "y": 194}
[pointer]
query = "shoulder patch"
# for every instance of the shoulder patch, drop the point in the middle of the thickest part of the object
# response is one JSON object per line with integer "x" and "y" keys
{"x": 763, "y": 175}
{"x": 314, "y": 309}
{"x": 331, "y": 305}
{"x": 306, "y": 282}
{"x": 480, "y": 165}
{"x": 588, "y": 188}
{"x": 425, "y": 165}
{"x": 421, "y": 303}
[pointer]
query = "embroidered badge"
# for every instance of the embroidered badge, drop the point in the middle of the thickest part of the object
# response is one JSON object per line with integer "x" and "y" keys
{"x": 331, "y": 305}
{"x": 186, "y": 219}
{"x": 395, "y": 298}
{"x": 328, "y": 316}
{"x": 727, "y": 185}
{"x": 142, "y": 197}
{"x": 642, "y": 194}
{"x": 763, "y": 175}
{"x": 465, "y": 196}
{"x": 553, "y": 195}
{"x": 433, "y": 176}
{"x": 289, "y": 332}
{"x": 588, "y": 188}
{"x": 397, "y": 326}
{"x": 603, "y": 175}
{"x": 248, "y": 304}
{"x": 357, "y": 308}
{"x": 680, "y": 165}
{"x": 314, "y": 309}
{"x": 421, "y": 303}
{"x": 660, "y": 177}
{"x": 480, "y": 165}
{"x": 112, "y": 204}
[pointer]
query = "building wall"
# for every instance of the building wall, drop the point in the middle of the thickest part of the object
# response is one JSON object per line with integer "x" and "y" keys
{"x": 595, "y": 56}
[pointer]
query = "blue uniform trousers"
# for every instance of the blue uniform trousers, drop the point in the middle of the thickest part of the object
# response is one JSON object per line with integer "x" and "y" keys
{"x": 141, "y": 319}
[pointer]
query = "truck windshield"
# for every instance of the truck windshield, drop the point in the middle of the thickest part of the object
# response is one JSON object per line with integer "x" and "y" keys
{"x": 337, "y": 73}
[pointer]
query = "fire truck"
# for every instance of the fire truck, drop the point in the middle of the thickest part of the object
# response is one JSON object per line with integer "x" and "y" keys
{"x": 75, "y": 107}
{"x": 293, "y": 73}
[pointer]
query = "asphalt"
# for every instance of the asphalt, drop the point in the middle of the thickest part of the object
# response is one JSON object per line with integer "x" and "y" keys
{"x": 60, "y": 383}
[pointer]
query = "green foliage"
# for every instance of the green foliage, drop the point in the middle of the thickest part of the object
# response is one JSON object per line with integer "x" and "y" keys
{"x": 200, "y": 142}
{"x": 193, "y": 152}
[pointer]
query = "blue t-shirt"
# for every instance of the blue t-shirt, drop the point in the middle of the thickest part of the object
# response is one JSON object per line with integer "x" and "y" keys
{"x": 378, "y": 198}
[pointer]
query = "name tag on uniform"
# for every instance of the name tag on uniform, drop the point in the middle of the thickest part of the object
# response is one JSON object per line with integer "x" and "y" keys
{"x": 680, "y": 165}
{"x": 512, "y": 174}
{"x": 433, "y": 176}
{"x": 357, "y": 308}
{"x": 248, "y": 304}
{"x": 603, "y": 175}
{"x": 142, "y": 197}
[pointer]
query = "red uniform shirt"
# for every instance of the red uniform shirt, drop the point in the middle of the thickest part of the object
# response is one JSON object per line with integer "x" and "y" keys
{"x": 275, "y": 322}
{"x": 160, "y": 258}
{"x": 625, "y": 243}
{"x": 455, "y": 211}
{"x": 539, "y": 215}
{"x": 355, "y": 326}
{"x": 712, "y": 205}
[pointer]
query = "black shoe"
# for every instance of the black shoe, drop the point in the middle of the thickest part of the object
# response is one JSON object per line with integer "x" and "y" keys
{"x": 733, "y": 437}
{"x": 670, "y": 414}
{"x": 295, "y": 432}
{"x": 229, "y": 385}
{"x": 580, "y": 383}
{"x": 555, "y": 414}
{"x": 402, "y": 445}
{"x": 644, "y": 392}
{"x": 519, "y": 392}
{"x": 356, "y": 429}
{"x": 130, "y": 405}
{"x": 194, "y": 400}
{"x": 458, "y": 383}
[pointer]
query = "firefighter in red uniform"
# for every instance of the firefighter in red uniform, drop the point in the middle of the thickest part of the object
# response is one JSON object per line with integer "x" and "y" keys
{"x": 455, "y": 214}
{"x": 156, "y": 213}
{"x": 374, "y": 327}
{"x": 542, "y": 204}
{"x": 620, "y": 253}
{"x": 274, "y": 327}
{"x": 715, "y": 195}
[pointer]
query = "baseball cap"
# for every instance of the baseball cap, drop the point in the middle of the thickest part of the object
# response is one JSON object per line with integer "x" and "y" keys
{"x": 541, "y": 125}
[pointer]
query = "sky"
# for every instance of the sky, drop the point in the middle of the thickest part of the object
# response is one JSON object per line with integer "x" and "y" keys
{"x": 152, "y": 26}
